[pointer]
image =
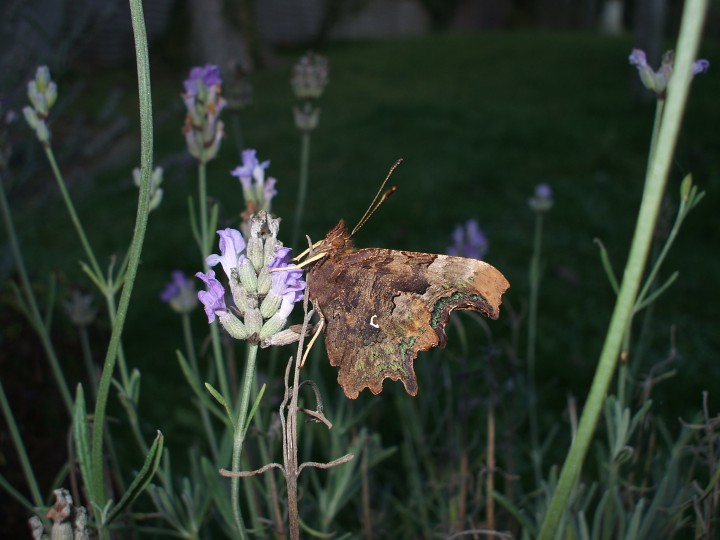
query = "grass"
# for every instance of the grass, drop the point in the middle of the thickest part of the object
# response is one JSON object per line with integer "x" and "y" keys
{"x": 479, "y": 120}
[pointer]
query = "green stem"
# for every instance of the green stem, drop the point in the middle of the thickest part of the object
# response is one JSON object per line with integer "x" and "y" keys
{"x": 36, "y": 318}
{"x": 239, "y": 436}
{"x": 112, "y": 315}
{"x": 20, "y": 448}
{"x": 659, "y": 107}
{"x": 203, "y": 203}
{"x": 536, "y": 453}
{"x": 146, "y": 131}
{"x": 688, "y": 41}
{"x": 88, "y": 360}
{"x": 205, "y": 244}
{"x": 204, "y": 414}
{"x": 73, "y": 214}
{"x": 302, "y": 189}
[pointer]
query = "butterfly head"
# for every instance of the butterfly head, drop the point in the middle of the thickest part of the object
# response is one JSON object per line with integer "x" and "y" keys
{"x": 337, "y": 240}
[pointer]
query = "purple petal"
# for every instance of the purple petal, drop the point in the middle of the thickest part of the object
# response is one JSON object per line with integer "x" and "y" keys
{"x": 700, "y": 66}
{"x": 638, "y": 58}
{"x": 214, "y": 298}
{"x": 231, "y": 245}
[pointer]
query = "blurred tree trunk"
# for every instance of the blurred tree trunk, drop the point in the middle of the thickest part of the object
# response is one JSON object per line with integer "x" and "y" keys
{"x": 214, "y": 39}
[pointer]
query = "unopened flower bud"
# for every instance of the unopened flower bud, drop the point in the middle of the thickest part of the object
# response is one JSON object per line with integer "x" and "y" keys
{"x": 270, "y": 304}
{"x": 253, "y": 321}
{"x": 233, "y": 325}
{"x": 255, "y": 252}
{"x": 247, "y": 275}
{"x": 264, "y": 280}
{"x": 542, "y": 200}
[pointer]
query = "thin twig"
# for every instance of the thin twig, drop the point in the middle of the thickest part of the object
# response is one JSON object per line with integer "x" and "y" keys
{"x": 328, "y": 465}
{"x": 246, "y": 474}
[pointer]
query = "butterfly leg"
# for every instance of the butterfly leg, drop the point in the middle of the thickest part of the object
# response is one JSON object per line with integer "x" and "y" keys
{"x": 319, "y": 328}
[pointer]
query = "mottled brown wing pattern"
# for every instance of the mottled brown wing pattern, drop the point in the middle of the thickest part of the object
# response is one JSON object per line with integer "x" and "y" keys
{"x": 383, "y": 306}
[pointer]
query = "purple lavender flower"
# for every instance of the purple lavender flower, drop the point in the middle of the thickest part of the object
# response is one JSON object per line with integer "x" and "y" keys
{"x": 231, "y": 245}
{"x": 542, "y": 199}
{"x": 201, "y": 78}
{"x": 180, "y": 293}
{"x": 469, "y": 241}
{"x": 257, "y": 190}
{"x": 657, "y": 81}
{"x": 289, "y": 283}
{"x": 700, "y": 66}
{"x": 203, "y": 100}
{"x": 214, "y": 298}
{"x": 263, "y": 299}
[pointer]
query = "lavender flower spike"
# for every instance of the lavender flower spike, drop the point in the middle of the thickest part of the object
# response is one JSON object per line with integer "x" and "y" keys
{"x": 257, "y": 190}
{"x": 214, "y": 298}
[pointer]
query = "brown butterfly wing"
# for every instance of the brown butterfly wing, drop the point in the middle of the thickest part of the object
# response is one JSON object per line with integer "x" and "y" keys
{"x": 383, "y": 306}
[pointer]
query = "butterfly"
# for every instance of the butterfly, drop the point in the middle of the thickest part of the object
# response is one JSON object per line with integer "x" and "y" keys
{"x": 379, "y": 307}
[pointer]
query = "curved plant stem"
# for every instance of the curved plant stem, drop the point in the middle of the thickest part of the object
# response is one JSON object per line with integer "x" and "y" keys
{"x": 73, "y": 214}
{"x": 688, "y": 41}
{"x": 534, "y": 278}
{"x": 146, "y": 146}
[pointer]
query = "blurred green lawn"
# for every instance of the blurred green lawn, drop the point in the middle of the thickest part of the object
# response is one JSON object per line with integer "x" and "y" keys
{"x": 479, "y": 120}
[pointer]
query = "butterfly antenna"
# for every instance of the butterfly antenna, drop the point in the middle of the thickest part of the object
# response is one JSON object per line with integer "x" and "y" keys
{"x": 375, "y": 204}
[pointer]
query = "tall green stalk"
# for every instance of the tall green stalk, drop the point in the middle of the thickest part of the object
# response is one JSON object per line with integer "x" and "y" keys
{"x": 239, "y": 435}
{"x": 688, "y": 42}
{"x": 534, "y": 278}
{"x": 146, "y": 147}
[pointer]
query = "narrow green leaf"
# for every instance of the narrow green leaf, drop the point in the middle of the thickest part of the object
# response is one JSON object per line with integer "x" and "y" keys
{"x": 607, "y": 266}
{"x": 193, "y": 221}
{"x": 218, "y": 491}
{"x": 196, "y": 387}
{"x": 15, "y": 494}
{"x": 214, "y": 211}
{"x": 656, "y": 293}
{"x": 218, "y": 397}
{"x": 81, "y": 434}
{"x": 142, "y": 479}
{"x": 253, "y": 409}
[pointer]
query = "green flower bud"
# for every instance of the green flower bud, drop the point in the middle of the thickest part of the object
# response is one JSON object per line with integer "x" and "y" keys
{"x": 264, "y": 280}
{"x": 233, "y": 325}
{"x": 253, "y": 321}
{"x": 248, "y": 277}
{"x": 270, "y": 305}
